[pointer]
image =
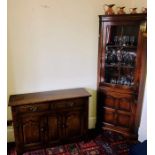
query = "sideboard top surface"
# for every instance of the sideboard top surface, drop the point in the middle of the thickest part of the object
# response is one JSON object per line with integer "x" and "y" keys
{"x": 38, "y": 97}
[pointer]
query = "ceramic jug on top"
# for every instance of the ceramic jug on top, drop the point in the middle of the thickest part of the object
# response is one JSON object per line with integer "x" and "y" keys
{"x": 133, "y": 10}
{"x": 144, "y": 10}
{"x": 109, "y": 10}
{"x": 121, "y": 10}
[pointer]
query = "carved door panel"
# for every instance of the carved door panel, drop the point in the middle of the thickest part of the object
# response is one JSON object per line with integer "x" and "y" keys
{"x": 54, "y": 126}
{"x": 109, "y": 116}
{"x": 32, "y": 131}
{"x": 73, "y": 124}
{"x": 126, "y": 108}
{"x": 119, "y": 110}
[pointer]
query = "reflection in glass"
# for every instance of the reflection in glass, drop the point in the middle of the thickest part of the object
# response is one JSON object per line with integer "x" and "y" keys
{"x": 132, "y": 40}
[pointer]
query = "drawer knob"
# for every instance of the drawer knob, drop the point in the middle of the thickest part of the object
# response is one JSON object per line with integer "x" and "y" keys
{"x": 32, "y": 108}
{"x": 71, "y": 104}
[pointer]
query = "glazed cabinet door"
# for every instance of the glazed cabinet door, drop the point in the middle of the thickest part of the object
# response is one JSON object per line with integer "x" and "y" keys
{"x": 119, "y": 54}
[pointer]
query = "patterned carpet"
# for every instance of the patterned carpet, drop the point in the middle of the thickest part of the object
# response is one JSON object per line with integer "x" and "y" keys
{"x": 107, "y": 143}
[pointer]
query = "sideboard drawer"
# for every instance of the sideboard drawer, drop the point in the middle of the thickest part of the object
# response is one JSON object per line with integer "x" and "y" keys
{"x": 32, "y": 108}
{"x": 79, "y": 102}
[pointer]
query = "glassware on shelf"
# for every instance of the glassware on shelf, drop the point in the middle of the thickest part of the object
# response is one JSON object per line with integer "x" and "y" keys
{"x": 114, "y": 57}
{"x": 119, "y": 56}
{"x": 113, "y": 81}
{"x": 129, "y": 58}
{"x": 111, "y": 57}
{"x": 123, "y": 80}
{"x": 121, "y": 10}
{"x": 109, "y": 10}
{"x": 108, "y": 57}
{"x": 116, "y": 40}
{"x": 120, "y": 40}
{"x": 123, "y": 57}
{"x": 132, "y": 40}
{"x": 132, "y": 58}
{"x": 130, "y": 78}
{"x": 119, "y": 82}
{"x": 125, "y": 40}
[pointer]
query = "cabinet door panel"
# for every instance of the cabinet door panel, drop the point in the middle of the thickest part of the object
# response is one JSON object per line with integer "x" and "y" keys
{"x": 125, "y": 104}
{"x": 109, "y": 101}
{"x": 109, "y": 116}
{"x": 119, "y": 109}
{"x": 54, "y": 125}
{"x": 29, "y": 135}
{"x": 124, "y": 120}
{"x": 73, "y": 124}
{"x": 31, "y": 130}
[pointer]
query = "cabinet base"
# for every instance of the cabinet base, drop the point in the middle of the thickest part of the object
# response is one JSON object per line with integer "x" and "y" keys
{"x": 131, "y": 137}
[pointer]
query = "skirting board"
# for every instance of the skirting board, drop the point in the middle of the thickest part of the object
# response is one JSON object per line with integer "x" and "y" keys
{"x": 10, "y": 134}
{"x": 92, "y": 122}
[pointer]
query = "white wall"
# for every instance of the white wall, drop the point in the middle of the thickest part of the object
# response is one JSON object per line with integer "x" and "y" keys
{"x": 143, "y": 124}
{"x": 53, "y": 44}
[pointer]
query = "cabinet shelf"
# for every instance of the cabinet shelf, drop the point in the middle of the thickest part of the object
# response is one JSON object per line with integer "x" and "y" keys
{"x": 122, "y": 46}
{"x": 117, "y": 88}
{"x": 117, "y": 85}
{"x": 119, "y": 66}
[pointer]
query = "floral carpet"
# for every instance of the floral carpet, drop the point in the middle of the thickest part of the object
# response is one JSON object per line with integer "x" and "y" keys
{"x": 107, "y": 143}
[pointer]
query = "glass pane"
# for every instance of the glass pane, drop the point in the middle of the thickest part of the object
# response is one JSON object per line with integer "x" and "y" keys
{"x": 120, "y": 54}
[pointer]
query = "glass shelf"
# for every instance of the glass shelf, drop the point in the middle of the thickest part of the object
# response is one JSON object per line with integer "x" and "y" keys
{"x": 119, "y": 65}
{"x": 117, "y": 86}
{"x": 122, "y": 46}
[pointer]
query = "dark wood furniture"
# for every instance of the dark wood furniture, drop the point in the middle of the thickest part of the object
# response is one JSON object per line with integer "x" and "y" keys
{"x": 49, "y": 118}
{"x": 121, "y": 73}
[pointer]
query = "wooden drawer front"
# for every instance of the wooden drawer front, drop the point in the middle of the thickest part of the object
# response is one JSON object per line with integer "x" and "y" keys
{"x": 125, "y": 104}
{"x": 68, "y": 103}
{"x": 109, "y": 102}
{"x": 117, "y": 118}
{"x": 118, "y": 101}
{"x": 124, "y": 120}
{"x": 109, "y": 116}
{"x": 32, "y": 108}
